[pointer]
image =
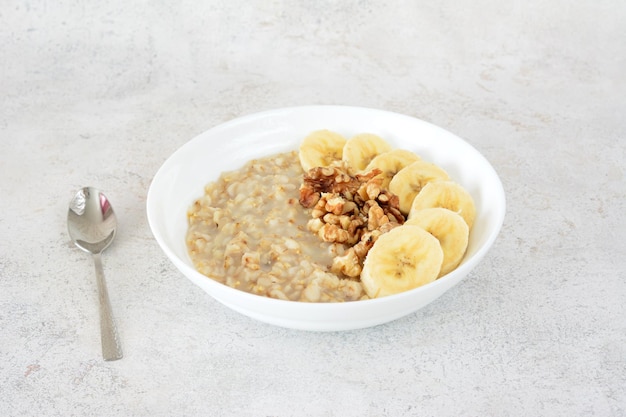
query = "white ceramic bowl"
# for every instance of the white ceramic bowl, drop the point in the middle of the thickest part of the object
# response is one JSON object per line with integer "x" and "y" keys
{"x": 183, "y": 176}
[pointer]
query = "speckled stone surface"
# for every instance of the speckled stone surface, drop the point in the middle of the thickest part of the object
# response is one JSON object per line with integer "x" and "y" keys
{"x": 101, "y": 93}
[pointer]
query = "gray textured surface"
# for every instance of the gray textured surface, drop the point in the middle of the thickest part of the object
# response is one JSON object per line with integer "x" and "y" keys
{"x": 100, "y": 93}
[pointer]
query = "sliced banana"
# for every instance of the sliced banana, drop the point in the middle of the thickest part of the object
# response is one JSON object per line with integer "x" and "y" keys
{"x": 450, "y": 230}
{"x": 390, "y": 163}
{"x": 446, "y": 194}
{"x": 408, "y": 182}
{"x": 402, "y": 259}
{"x": 320, "y": 149}
{"x": 359, "y": 150}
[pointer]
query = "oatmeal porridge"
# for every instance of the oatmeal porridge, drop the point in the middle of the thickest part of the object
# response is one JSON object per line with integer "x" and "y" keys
{"x": 250, "y": 232}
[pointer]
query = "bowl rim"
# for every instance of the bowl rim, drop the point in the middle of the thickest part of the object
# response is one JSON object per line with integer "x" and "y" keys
{"x": 455, "y": 276}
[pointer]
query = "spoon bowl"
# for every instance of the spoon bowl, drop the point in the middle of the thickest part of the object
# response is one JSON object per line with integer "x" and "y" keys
{"x": 92, "y": 225}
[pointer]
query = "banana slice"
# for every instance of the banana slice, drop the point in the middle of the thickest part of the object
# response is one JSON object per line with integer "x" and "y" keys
{"x": 320, "y": 149}
{"x": 450, "y": 230}
{"x": 390, "y": 163}
{"x": 402, "y": 259}
{"x": 359, "y": 150}
{"x": 446, "y": 194}
{"x": 408, "y": 182}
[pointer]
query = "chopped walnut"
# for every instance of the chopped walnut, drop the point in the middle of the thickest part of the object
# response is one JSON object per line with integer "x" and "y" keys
{"x": 351, "y": 263}
{"x": 333, "y": 233}
{"x": 333, "y": 179}
{"x": 349, "y": 210}
{"x": 376, "y": 217}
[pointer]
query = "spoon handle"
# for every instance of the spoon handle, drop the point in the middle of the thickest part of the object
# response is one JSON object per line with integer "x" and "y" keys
{"x": 111, "y": 349}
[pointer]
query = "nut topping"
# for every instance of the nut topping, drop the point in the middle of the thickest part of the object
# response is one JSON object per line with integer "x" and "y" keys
{"x": 350, "y": 210}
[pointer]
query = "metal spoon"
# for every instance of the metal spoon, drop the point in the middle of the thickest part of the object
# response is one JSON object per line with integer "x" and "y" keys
{"x": 91, "y": 223}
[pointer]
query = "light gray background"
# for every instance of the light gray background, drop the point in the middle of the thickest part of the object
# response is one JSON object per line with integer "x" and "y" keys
{"x": 101, "y": 93}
